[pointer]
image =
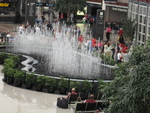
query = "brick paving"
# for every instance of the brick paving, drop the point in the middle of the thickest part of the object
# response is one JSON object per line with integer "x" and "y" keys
{"x": 6, "y": 27}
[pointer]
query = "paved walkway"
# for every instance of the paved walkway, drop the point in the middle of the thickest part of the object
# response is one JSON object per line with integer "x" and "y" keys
{"x": 6, "y": 27}
{"x": 17, "y": 100}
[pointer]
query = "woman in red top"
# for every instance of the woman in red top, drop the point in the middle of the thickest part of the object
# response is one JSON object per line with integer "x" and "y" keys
{"x": 93, "y": 42}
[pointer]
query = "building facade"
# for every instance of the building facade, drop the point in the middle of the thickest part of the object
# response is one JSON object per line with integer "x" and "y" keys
{"x": 114, "y": 9}
{"x": 139, "y": 10}
{"x": 8, "y": 10}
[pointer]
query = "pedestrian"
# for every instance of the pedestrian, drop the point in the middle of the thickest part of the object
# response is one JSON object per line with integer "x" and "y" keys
{"x": 119, "y": 57}
{"x": 72, "y": 17}
{"x": 113, "y": 46}
{"x": 120, "y": 33}
{"x": 108, "y": 31}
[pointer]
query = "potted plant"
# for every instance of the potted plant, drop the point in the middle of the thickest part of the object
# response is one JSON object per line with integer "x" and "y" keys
{"x": 74, "y": 84}
{"x": 19, "y": 78}
{"x": 3, "y": 56}
{"x": 9, "y": 63}
{"x": 63, "y": 85}
{"x": 29, "y": 81}
{"x": 15, "y": 58}
{"x": 87, "y": 86}
{"x": 50, "y": 84}
{"x": 40, "y": 82}
{"x": 10, "y": 72}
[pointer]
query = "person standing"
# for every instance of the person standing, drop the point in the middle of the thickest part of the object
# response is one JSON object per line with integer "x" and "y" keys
{"x": 108, "y": 31}
{"x": 113, "y": 46}
{"x": 72, "y": 17}
{"x": 120, "y": 33}
{"x": 80, "y": 39}
{"x": 84, "y": 20}
{"x": 119, "y": 57}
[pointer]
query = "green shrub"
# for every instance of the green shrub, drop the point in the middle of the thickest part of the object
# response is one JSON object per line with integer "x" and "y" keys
{"x": 30, "y": 78}
{"x": 49, "y": 81}
{"x": 87, "y": 86}
{"x": 63, "y": 82}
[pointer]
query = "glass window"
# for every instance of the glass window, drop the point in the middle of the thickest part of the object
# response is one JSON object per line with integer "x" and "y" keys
{"x": 143, "y": 38}
{"x": 144, "y": 20}
{"x": 140, "y": 19}
{"x": 139, "y": 28}
{"x": 144, "y": 10}
{"x": 149, "y": 21}
{"x": 130, "y": 6}
{"x": 149, "y": 11}
{"x": 139, "y": 37}
{"x": 144, "y": 30}
{"x": 141, "y": 10}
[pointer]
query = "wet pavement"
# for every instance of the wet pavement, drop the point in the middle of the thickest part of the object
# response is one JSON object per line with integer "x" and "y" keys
{"x": 18, "y": 100}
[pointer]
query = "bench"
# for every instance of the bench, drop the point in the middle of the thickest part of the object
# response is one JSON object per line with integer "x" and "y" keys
{"x": 90, "y": 107}
{"x": 84, "y": 96}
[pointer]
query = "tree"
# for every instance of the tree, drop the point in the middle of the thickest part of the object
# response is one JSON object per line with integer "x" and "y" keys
{"x": 129, "y": 28}
{"x": 69, "y": 6}
{"x": 129, "y": 92}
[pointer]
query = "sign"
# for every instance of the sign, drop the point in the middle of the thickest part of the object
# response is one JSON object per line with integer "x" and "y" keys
{"x": 30, "y": 12}
{"x": 4, "y": 4}
{"x": 119, "y": 9}
{"x": 100, "y": 24}
{"x": 44, "y": 4}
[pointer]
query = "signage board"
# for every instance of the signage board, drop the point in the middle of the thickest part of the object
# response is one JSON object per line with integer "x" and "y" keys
{"x": 4, "y": 4}
{"x": 30, "y": 12}
{"x": 120, "y": 9}
{"x": 100, "y": 24}
{"x": 44, "y": 4}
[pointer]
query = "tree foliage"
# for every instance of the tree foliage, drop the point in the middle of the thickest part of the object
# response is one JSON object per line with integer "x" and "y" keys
{"x": 129, "y": 92}
{"x": 69, "y": 6}
{"x": 129, "y": 27}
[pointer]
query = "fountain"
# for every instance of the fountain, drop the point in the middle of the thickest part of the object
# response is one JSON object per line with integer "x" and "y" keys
{"x": 59, "y": 55}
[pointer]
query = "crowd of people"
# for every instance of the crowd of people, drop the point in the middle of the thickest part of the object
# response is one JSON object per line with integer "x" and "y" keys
{"x": 113, "y": 48}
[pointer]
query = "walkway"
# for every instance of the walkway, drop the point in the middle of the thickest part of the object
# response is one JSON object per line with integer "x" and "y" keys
{"x": 17, "y": 100}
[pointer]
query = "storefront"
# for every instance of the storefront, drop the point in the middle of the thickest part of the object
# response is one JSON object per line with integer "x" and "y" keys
{"x": 8, "y": 10}
{"x": 115, "y": 13}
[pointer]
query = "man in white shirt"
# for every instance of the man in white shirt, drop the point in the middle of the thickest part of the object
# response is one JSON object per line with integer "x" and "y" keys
{"x": 37, "y": 29}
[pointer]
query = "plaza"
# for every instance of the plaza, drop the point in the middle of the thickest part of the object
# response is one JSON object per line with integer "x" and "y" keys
{"x": 65, "y": 51}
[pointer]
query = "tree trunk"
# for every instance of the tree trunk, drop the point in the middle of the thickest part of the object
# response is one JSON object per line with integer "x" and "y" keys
{"x": 68, "y": 15}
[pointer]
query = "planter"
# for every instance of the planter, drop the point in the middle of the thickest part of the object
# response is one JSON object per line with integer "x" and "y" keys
{"x": 5, "y": 78}
{"x": 10, "y": 80}
{"x": 39, "y": 87}
{"x": 86, "y": 91}
{"x": 28, "y": 85}
{"x": 62, "y": 90}
{"x": 17, "y": 83}
{"x": 1, "y": 61}
{"x": 50, "y": 89}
